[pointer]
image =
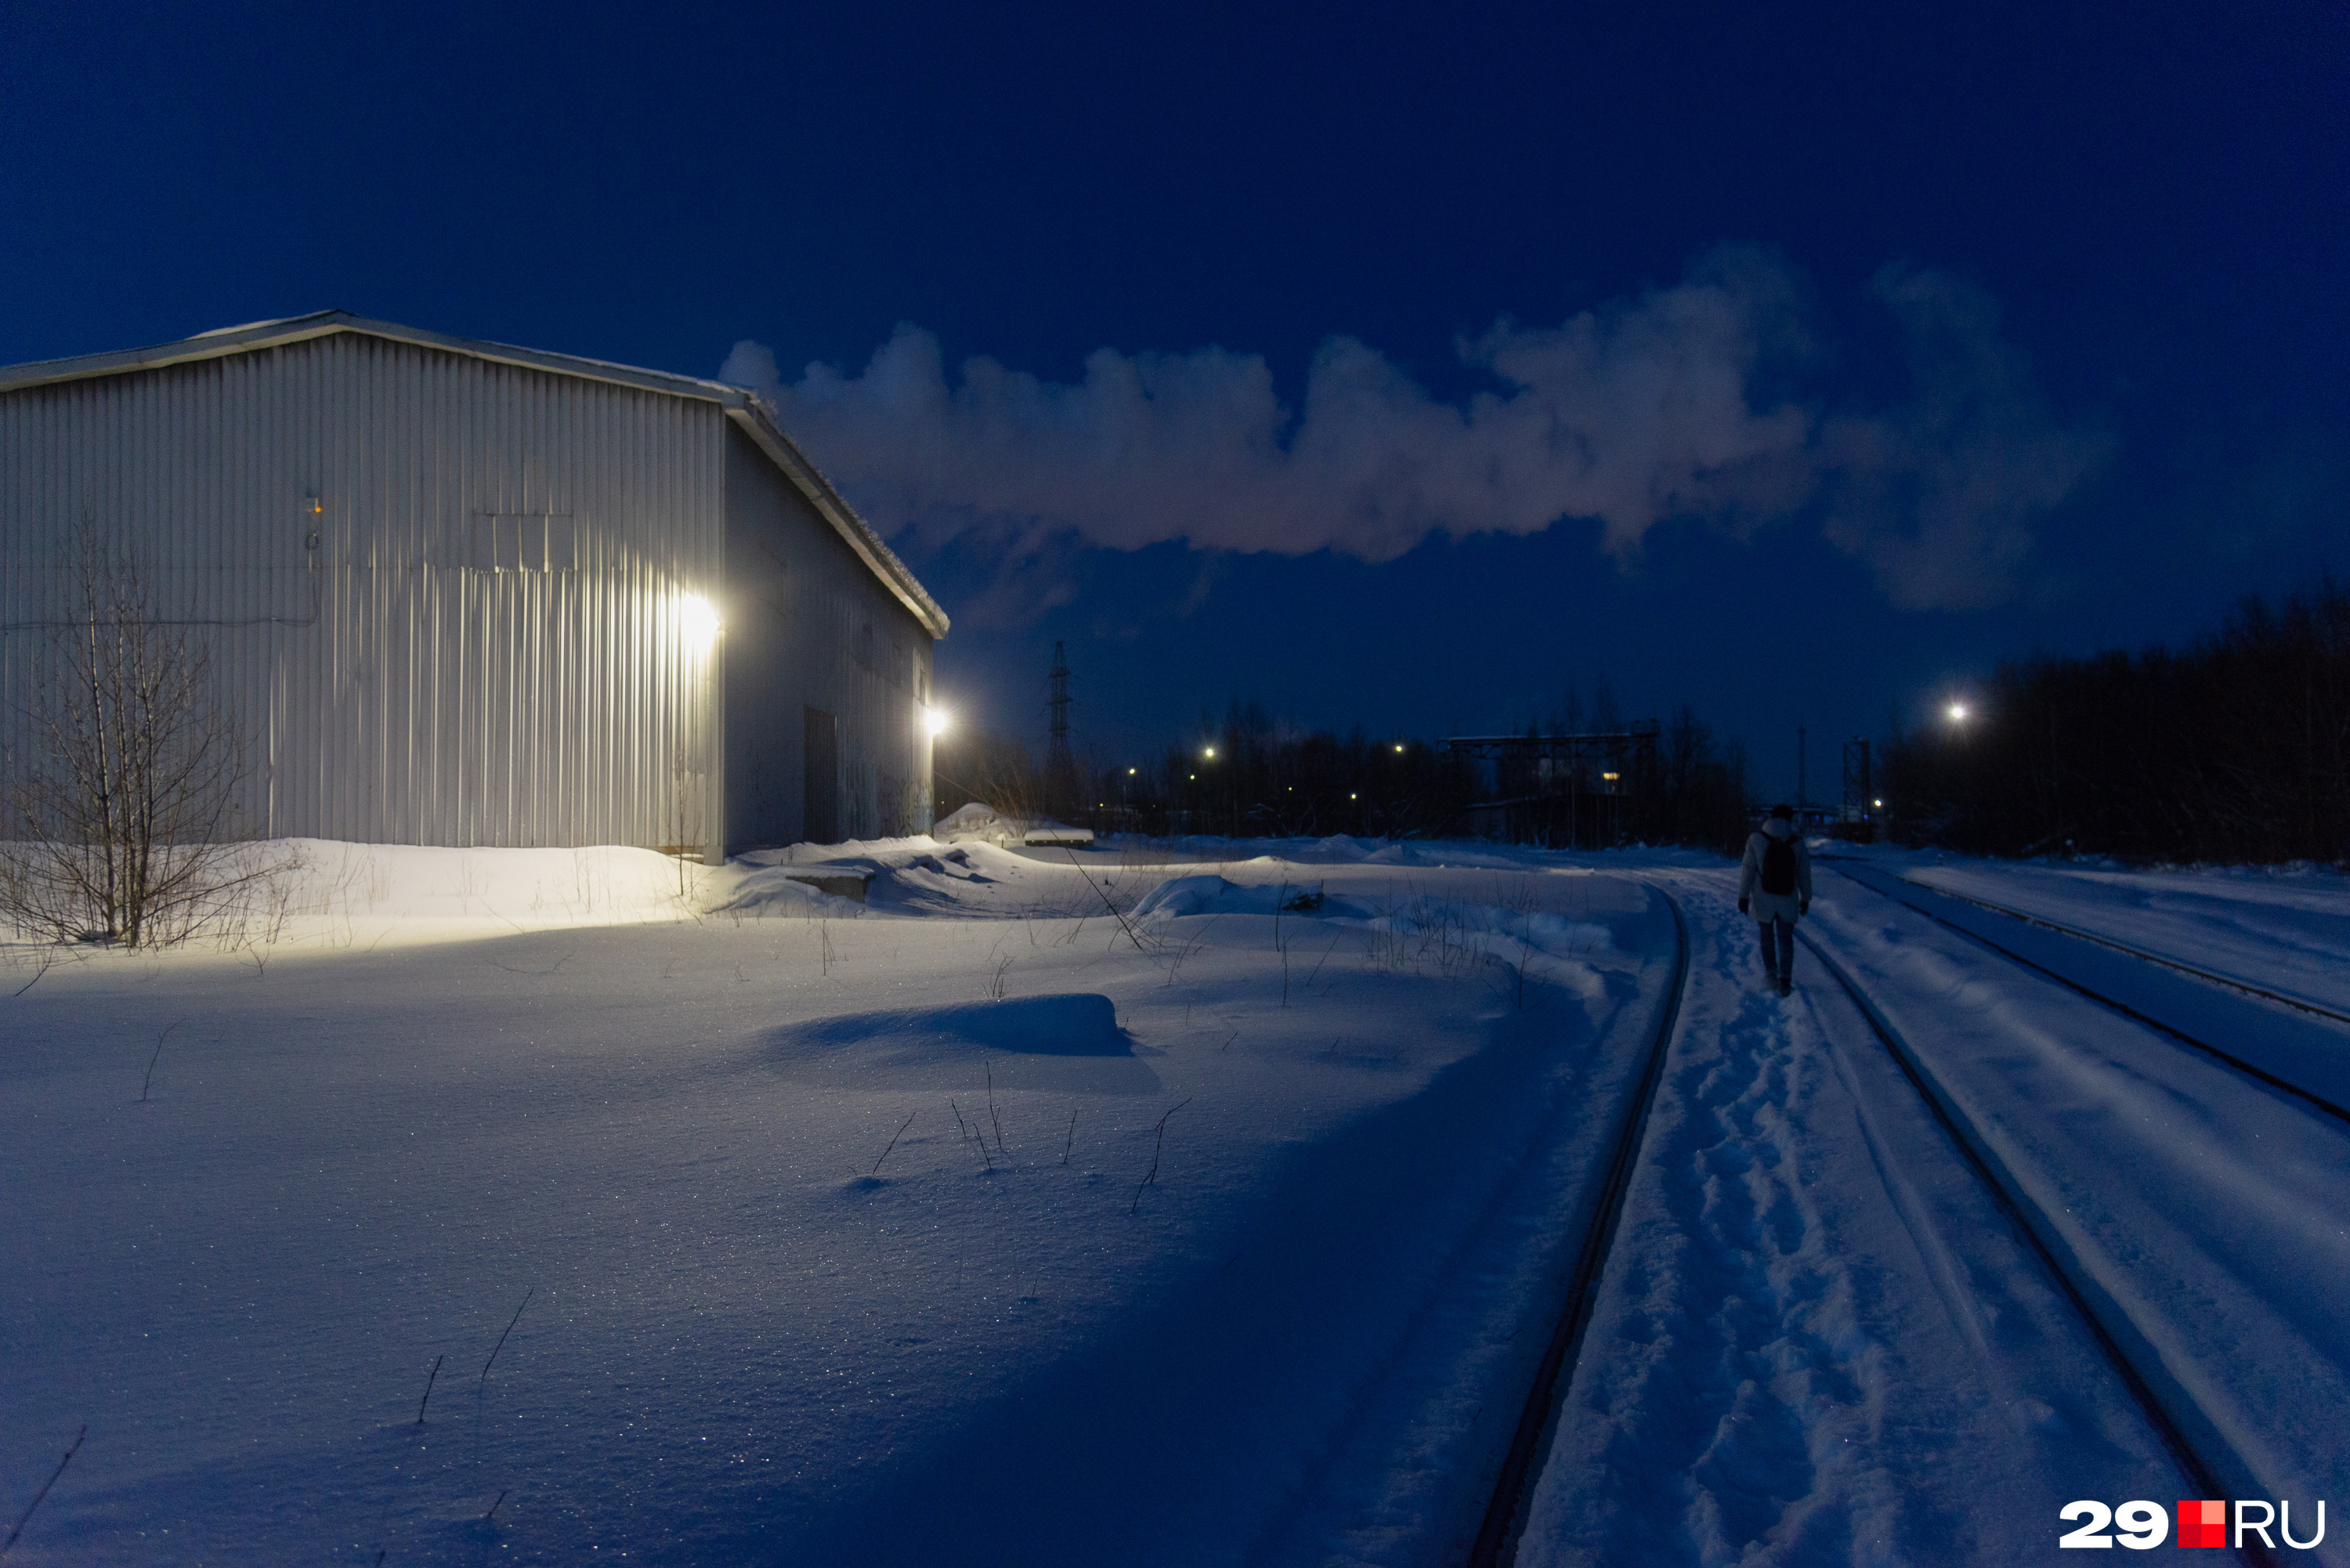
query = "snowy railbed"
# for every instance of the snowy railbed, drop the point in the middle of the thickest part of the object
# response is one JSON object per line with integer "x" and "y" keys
{"x": 2289, "y": 930}
{"x": 1819, "y": 1339}
{"x": 1212, "y": 1235}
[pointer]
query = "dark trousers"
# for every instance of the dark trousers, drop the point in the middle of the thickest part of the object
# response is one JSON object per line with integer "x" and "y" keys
{"x": 1778, "y": 949}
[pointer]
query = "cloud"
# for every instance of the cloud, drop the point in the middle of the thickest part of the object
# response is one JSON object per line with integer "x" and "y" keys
{"x": 1646, "y": 409}
{"x": 1940, "y": 496}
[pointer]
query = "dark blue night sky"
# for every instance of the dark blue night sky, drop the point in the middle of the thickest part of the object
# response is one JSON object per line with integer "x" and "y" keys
{"x": 1384, "y": 367}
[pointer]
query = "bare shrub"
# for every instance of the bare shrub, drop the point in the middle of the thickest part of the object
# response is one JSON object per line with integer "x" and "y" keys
{"x": 121, "y": 823}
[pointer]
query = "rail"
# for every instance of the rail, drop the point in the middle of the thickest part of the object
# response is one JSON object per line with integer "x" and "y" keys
{"x": 1505, "y": 1510}
{"x": 2263, "y": 1074}
{"x": 2039, "y": 1233}
{"x": 2044, "y": 923}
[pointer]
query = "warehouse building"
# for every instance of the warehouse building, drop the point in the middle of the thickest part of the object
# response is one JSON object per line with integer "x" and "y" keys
{"x": 459, "y": 593}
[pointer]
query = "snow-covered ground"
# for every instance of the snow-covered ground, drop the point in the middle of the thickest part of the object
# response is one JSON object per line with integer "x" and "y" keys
{"x": 1158, "y": 1203}
{"x": 751, "y": 1326}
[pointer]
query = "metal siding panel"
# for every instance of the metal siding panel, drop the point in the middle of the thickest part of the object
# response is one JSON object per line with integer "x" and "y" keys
{"x": 810, "y": 599}
{"x": 392, "y": 691}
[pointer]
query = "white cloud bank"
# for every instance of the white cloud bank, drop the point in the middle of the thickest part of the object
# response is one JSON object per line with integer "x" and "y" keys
{"x": 1644, "y": 409}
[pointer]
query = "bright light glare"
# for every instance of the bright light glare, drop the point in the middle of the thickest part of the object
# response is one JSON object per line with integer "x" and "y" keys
{"x": 1211, "y": 752}
{"x": 1398, "y": 745}
{"x": 935, "y": 720}
{"x": 1878, "y": 804}
{"x": 1958, "y": 712}
{"x": 697, "y": 619}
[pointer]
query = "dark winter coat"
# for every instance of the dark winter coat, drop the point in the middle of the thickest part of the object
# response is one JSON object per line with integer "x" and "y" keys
{"x": 1775, "y": 906}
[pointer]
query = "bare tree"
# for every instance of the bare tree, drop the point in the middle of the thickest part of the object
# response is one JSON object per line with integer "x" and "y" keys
{"x": 119, "y": 824}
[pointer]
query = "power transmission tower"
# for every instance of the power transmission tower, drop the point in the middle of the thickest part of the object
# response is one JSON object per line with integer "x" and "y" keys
{"x": 1060, "y": 767}
{"x": 1859, "y": 783}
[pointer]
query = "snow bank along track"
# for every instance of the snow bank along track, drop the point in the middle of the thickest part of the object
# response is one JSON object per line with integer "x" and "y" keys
{"x": 2045, "y": 924}
{"x": 1506, "y": 1511}
{"x": 2312, "y": 1098}
{"x": 2035, "y": 1229}
{"x": 2207, "y": 1458}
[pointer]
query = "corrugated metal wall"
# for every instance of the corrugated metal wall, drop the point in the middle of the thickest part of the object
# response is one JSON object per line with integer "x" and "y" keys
{"x": 412, "y": 677}
{"x": 809, "y": 627}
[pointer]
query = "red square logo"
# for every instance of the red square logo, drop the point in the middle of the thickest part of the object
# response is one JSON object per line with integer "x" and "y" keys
{"x": 2203, "y": 1523}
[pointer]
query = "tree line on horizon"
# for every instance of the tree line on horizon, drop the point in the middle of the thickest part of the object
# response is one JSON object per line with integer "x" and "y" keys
{"x": 1248, "y": 775}
{"x": 2234, "y": 749}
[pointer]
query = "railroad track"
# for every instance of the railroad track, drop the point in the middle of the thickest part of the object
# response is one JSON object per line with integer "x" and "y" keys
{"x": 1506, "y": 1511}
{"x": 2206, "y": 1459}
{"x": 2041, "y": 1236}
{"x": 2212, "y": 976}
{"x": 2315, "y": 1100}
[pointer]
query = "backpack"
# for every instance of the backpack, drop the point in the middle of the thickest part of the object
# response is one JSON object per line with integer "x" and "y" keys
{"x": 1778, "y": 864}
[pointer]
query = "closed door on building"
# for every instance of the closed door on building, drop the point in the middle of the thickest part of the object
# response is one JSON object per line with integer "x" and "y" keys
{"x": 822, "y": 822}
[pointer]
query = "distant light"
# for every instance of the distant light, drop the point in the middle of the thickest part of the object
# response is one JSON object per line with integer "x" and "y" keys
{"x": 934, "y": 720}
{"x": 697, "y": 620}
{"x": 1611, "y": 778}
{"x": 1878, "y": 804}
{"x": 1130, "y": 773}
{"x": 1350, "y": 797}
{"x": 1398, "y": 745}
{"x": 1957, "y": 711}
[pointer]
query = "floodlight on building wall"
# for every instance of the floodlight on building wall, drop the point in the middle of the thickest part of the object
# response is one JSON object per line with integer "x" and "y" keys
{"x": 934, "y": 720}
{"x": 697, "y": 620}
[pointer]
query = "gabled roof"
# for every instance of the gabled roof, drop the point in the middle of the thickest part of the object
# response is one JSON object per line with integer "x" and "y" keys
{"x": 746, "y": 408}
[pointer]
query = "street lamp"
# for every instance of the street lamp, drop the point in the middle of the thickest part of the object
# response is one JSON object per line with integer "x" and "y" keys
{"x": 1957, "y": 712}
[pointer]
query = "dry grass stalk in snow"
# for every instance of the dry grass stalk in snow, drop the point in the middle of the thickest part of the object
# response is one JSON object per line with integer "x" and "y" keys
{"x": 893, "y": 1140}
{"x": 1152, "y": 1175}
{"x": 430, "y": 1378}
{"x": 26, "y": 1517}
{"x": 149, "y": 1078}
{"x": 501, "y": 1344}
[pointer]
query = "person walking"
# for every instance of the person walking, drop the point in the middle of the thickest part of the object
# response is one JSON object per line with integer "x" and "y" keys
{"x": 1775, "y": 881}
